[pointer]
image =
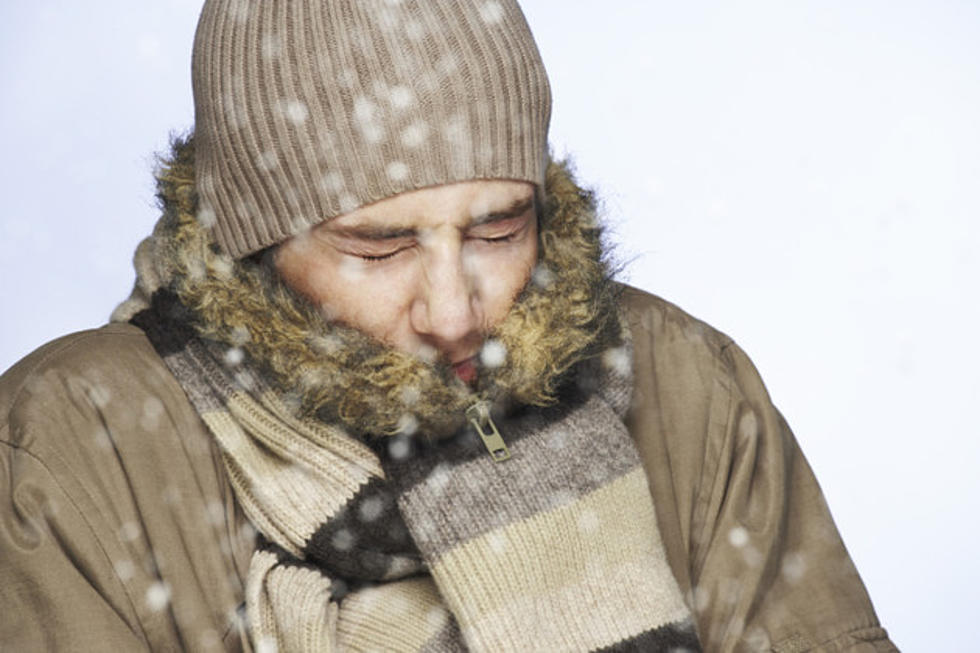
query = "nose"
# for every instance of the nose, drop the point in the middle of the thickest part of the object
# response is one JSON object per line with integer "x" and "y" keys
{"x": 447, "y": 312}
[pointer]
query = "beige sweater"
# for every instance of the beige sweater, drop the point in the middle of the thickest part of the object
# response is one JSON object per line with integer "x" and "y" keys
{"x": 120, "y": 531}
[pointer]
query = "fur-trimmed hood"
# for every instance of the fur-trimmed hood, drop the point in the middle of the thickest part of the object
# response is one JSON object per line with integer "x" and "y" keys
{"x": 565, "y": 316}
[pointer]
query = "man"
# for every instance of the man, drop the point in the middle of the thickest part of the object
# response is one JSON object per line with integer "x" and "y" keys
{"x": 375, "y": 390}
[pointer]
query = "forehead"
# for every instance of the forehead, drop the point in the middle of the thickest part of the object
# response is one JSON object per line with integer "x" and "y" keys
{"x": 459, "y": 203}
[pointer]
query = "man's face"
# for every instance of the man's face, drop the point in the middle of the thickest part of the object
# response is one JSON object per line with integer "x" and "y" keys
{"x": 428, "y": 272}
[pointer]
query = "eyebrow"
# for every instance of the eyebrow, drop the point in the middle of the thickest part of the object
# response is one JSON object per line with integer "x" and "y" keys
{"x": 394, "y": 232}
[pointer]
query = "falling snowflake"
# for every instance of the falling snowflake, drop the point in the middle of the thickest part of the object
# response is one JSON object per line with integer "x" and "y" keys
{"x": 793, "y": 567}
{"x": 206, "y": 217}
{"x": 397, "y": 171}
{"x": 266, "y": 161}
{"x": 370, "y": 509}
{"x": 401, "y": 97}
{"x": 271, "y": 47}
{"x": 588, "y": 521}
{"x": 493, "y": 354}
{"x": 266, "y": 645}
{"x": 332, "y": 182}
{"x": 738, "y": 537}
{"x": 399, "y": 448}
{"x": 497, "y": 543}
{"x": 542, "y": 277}
{"x": 342, "y": 540}
{"x": 129, "y": 532}
{"x": 492, "y": 12}
{"x": 157, "y": 596}
{"x": 234, "y": 357}
{"x": 415, "y": 134}
{"x": 296, "y": 111}
{"x": 748, "y": 426}
{"x": 125, "y": 570}
{"x": 617, "y": 360}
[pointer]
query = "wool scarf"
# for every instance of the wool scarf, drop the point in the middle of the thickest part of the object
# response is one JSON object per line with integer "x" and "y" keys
{"x": 529, "y": 527}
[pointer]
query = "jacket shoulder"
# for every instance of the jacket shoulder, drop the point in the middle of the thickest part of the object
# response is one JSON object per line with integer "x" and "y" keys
{"x": 652, "y": 316}
{"x": 106, "y": 368}
{"x": 122, "y": 473}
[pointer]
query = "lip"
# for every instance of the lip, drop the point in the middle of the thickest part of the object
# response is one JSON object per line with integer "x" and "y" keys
{"x": 465, "y": 370}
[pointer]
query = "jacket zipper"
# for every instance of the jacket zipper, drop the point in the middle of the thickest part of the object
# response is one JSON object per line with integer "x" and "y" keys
{"x": 479, "y": 416}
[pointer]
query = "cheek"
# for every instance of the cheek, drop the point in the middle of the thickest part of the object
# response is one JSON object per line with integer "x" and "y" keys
{"x": 502, "y": 276}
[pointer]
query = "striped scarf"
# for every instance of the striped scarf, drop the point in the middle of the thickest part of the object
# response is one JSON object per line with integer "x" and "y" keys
{"x": 410, "y": 544}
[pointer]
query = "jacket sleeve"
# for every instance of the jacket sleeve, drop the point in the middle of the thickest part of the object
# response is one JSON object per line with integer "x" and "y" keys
{"x": 59, "y": 590}
{"x": 768, "y": 568}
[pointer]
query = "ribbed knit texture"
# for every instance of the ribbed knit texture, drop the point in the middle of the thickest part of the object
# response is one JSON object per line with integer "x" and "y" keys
{"x": 308, "y": 109}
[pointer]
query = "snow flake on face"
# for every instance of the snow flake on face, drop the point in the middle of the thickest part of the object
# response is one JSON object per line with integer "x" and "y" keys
{"x": 492, "y": 12}
{"x": 738, "y": 537}
{"x": 493, "y": 354}
{"x": 397, "y": 171}
{"x": 158, "y": 596}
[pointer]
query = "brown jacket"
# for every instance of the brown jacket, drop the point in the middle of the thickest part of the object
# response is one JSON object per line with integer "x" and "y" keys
{"x": 120, "y": 530}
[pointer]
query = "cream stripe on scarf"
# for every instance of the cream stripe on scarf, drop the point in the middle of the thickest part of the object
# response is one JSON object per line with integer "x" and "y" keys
{"x": 622, "y": 569}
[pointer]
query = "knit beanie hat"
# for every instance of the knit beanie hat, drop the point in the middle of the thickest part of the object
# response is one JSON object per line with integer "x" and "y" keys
{"x": 308, "y": 109}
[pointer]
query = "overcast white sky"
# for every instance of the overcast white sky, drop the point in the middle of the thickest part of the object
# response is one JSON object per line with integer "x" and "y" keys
{"x": 803, "y": 175}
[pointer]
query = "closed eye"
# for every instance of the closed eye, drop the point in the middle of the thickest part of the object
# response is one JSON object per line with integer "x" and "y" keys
{"x": 374, "y": 258}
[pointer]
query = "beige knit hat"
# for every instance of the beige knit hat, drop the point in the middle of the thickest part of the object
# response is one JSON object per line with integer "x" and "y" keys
{"x": 308, "y": 109}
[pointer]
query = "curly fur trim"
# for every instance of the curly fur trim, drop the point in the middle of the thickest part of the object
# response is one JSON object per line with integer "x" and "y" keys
{"x": 566, "y": 315}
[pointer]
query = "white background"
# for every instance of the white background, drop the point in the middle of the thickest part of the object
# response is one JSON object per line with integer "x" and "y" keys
{"x": 802, "y": 175}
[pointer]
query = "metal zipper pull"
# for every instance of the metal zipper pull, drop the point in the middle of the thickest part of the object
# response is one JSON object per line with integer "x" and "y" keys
{"x": 479, "y": 416}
